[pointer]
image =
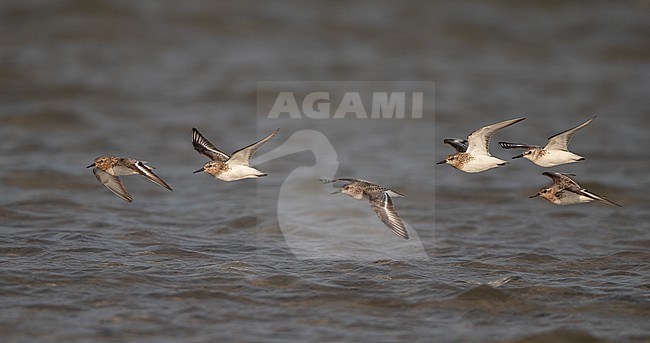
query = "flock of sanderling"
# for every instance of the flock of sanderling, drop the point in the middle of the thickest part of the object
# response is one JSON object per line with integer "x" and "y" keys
{"x": 472, "y": 156}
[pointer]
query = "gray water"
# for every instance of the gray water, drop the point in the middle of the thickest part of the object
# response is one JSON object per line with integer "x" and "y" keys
{"x": 212, "y": 261}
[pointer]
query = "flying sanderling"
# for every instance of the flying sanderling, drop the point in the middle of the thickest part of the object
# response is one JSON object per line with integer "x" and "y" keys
{"x": 477, "y": 157}
{"x": 380, "y": 201}
{"x": 224, "y": 167}
{"x": 108, "y": 168}
{"x": 556, "y": 151}
{"x": 565, "y": 191}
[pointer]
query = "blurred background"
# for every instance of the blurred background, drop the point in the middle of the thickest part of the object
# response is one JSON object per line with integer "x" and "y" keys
{"x": 80, "y": 79}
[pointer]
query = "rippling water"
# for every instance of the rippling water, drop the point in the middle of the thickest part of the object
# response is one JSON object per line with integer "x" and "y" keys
{"x": 210, "y": 261}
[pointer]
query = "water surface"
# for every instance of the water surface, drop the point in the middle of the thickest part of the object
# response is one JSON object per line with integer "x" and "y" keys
{"x": 210, "y": 262}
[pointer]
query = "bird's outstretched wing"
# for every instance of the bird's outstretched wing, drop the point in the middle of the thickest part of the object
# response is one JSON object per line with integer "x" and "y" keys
{"x": 457, "y": 143}
{"x": 479, "y": 140}
{"x": 561, "y": 140}
{"x": 563, "y": 180}
{"x": 243, "y": 155}
{"x": 341, "y": 179}
{"x": 113, "y": 184}
{"x": 204, "y": 147}
{"x": 383, "y": 206}
{"x": 507, "y": 145}
{"x": 147, "y": 172}
{"x": 589, "y": 194}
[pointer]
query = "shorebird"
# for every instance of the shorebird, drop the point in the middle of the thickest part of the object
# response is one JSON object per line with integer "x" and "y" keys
{"x": 313, "y": 235}
{"x": 379, "y": 198}
{"x": 108, "y": 168}
{"x": 477, "y": 157}
{"x": 224, "y": 167}
{"x": 556, "y": 151}
{"x": 565, "y": 191}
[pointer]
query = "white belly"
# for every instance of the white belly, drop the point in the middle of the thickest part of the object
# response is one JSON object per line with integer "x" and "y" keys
{"x": 570, "y": 198}
{"x": 238, "y": 172}
{"x": 482, "y": 163}
{"x": 557, "y": 157}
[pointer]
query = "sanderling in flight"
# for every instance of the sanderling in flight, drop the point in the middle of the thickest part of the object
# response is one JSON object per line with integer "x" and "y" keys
{"x": 108, "y": 168}
{"x": 477, "y": 157}
{"x": 565, "y": 191}
{"x": 556, "y": 151}
{"x": 380, "y": 201}
{"x": 224, "y": 167}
